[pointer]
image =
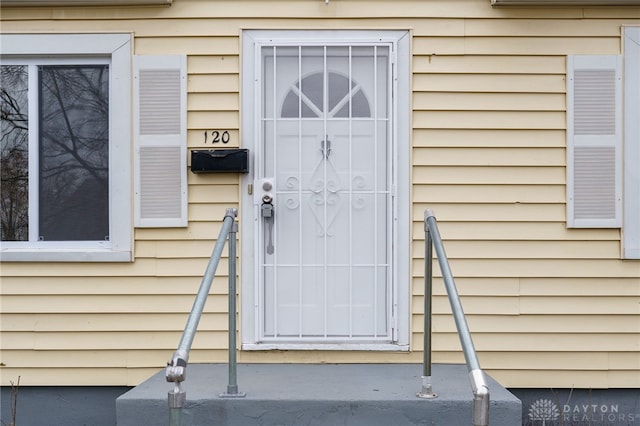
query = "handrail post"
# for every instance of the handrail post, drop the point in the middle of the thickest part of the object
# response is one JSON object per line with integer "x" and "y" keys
{"x": 177, "y": 366}
{"x": 232, "y": 387}
{"x": 481, "y": 396}
{"x": 427, "y": 390}
{"x": 176, "y": 399}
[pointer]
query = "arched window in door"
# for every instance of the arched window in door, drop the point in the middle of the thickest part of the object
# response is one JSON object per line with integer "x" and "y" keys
{"x": 306, "y": 98}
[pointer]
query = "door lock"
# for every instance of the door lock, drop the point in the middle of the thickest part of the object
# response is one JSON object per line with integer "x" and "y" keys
{"x": 267, "y": 199}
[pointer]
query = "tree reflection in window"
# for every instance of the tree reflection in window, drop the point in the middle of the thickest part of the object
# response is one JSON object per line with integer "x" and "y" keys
{"x": 73, "y": 157}
{"x": 74, "y": 152}
{"x": 306, "y": 98}
{"x": 14, "y": 147}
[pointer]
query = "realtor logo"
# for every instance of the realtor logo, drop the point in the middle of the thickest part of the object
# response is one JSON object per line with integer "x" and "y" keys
{"x": 544, "y": 410}
{"x": 582, "y": 407}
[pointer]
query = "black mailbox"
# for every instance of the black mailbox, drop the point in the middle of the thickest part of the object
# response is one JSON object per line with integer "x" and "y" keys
{"x": 220, "y": 161}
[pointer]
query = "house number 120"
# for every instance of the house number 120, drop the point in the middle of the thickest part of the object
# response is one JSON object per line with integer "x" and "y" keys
{"x": 217, "y": 136}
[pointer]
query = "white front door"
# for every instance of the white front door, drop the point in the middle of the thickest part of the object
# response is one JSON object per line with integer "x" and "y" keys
{"x": 323, "y": 192}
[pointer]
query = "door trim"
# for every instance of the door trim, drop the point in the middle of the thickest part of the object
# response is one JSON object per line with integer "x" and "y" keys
{"x": 252, "y": 40}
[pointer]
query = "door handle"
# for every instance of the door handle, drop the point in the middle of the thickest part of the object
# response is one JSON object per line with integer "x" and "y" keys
{"x": 267, "y": 211}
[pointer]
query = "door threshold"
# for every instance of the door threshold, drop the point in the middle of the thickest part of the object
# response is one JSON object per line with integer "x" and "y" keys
{"x": 383, "y": 347}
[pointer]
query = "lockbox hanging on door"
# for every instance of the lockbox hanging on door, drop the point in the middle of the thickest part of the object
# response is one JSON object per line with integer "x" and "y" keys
{"x": 220, "y": 161}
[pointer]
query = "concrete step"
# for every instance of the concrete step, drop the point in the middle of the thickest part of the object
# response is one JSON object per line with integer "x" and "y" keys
{"x": 324, "y": 394}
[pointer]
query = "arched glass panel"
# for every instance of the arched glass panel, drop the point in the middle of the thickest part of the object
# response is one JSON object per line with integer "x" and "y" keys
{"x": 341, "y": 94}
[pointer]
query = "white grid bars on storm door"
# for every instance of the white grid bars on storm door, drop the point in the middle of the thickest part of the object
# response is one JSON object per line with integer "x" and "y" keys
{"x": 326, "y": 252}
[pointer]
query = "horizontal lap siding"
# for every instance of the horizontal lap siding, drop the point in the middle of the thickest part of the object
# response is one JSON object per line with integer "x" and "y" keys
{"x": 117, "y": 324}
{"x": 549, "y": 307}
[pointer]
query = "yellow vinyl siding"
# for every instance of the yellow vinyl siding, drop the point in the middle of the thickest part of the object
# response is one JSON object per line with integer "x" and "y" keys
{"x": 102, "y": 358}
{"x": 549, "y": 323}
{"x": 94, "y": 322}
{"x": 574, "y": 379}
{"x": 511, "y": 138}
{"x": 472, "y": 156}
{"x": 221, "y": 83}
{"x": 514, "y": 212}
{"x": 66, "y": 304}
{"x": 453, "y": 101}
{"x": 515, "y": 231}
{"x": 222, "y": 119}
{"x": 213, "y": 102}
{"x": 533, "y": 342}
{"x": 568, "y": 268}
{"x": 497, "y": 193}
{"x": 487, "y": 83}
{"x": 531, "y": 249}
{"x": 547, "y": 306}
{"x": 490, "y": 175}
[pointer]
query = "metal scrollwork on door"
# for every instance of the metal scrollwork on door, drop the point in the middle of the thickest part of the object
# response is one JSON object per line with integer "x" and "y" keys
{"x": 326, "y": 189}
{"x": 291, "y": 201}
{"x": 332, "y": 95}
{"x": 358, "y": 201}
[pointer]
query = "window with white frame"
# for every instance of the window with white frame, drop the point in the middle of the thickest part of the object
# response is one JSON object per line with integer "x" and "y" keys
{"x": 603, "y": 142}
{"x": 65, "y": 134}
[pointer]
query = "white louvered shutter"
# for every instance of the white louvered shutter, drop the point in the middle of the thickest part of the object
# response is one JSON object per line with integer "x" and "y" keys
{"x": 161, "y": 146}
{"x": 594, "y": 175}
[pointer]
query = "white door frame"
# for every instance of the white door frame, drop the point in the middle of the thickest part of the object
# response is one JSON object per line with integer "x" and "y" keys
{"x": 252, "y": 40}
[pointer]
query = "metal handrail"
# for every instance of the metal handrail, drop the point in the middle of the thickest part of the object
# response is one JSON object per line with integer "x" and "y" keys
{"x": 177, "y": 365}
{"x": 479, "y": 386}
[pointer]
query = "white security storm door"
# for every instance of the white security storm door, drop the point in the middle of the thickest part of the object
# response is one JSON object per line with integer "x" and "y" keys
{"x": 325, "y": 159}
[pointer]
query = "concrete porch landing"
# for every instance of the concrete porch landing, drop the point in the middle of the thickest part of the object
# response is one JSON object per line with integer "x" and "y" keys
{"x": 325, "y": 394}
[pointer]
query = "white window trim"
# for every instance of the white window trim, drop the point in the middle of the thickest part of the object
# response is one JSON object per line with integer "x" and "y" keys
{"x": 402, "y": 277}
{"x": 631, "y": 214}
{"x": 117, "y": 47}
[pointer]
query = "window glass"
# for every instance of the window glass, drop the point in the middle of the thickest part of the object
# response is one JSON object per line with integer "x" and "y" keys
{"x": 74, "y": 153}
{"x": 71, "y": 172}
{"x": 339, "y": 91}
{"x": 14, "y": 147}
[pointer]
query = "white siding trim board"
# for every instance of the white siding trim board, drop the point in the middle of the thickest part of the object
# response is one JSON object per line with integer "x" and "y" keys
{"x": 631, "y": 217}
